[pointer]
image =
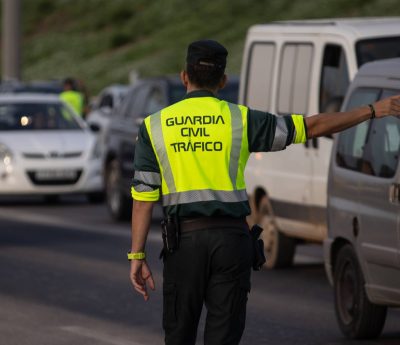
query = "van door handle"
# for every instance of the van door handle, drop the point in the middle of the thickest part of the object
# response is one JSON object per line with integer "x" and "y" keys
{"x": 394, "y": 193}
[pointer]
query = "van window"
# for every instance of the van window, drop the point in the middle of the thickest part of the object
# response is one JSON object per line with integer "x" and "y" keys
{"x": 294, "y": 78}
{"x": 382, "y": 151}
{"x": 259, "y": 76}
{"x": 351, "y": 147}
{"x": 389, "y": 93}
{"x": 362, "y": 96}
{"x": 372, "y": 150}
{"x": 334, "y": 79}
{"x": 351, "y": 142}
{"x": 377, "y": 49}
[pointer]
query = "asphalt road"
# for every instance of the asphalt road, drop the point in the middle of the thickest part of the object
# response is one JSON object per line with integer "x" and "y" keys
{"x": 64, "y": 280}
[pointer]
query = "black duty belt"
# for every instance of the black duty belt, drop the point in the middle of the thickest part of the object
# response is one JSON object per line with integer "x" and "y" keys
{"x": 202, "y": 223}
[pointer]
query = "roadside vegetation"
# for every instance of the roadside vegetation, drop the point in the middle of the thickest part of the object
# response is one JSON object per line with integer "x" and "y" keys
{"x": 101, "y": 41}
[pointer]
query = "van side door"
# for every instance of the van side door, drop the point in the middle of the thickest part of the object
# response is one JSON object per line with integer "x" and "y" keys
{"x": 334, "y": 80}
{"x": 379, "y": 204}
{"x": 278, "y": 80}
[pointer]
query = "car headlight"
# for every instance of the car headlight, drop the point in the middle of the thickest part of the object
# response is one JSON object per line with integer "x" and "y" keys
{"x": 6, "y": 155}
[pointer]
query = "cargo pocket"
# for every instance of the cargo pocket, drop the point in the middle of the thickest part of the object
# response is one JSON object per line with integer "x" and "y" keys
{"x": 169, "y": 306}
{"x": 239, "y": 307}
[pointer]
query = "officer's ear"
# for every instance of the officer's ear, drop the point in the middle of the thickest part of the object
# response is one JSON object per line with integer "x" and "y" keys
{"x": 184, "y": 78}
{"x": 223, "y": 82}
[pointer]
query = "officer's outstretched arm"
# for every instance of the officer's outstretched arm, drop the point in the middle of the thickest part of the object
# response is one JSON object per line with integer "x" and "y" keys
{"x": 140, "y": 274}
{"x": 329, "y": 123}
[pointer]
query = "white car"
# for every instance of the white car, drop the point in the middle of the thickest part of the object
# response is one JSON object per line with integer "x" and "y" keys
{"x": 46, "y": 149}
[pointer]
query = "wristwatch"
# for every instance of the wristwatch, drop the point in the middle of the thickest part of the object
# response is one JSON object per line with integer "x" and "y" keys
{"x": 136, "y": 256}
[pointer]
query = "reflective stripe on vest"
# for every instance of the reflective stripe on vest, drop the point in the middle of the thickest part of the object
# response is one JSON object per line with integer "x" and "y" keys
{"x": 204, "y": 195}
{"x": 281, "y": 135}
{"x": 148, "y": 177}
{"x": 201, "y": 156}
{"x": 237, "y": 130}
{"x": 158, "y": 142}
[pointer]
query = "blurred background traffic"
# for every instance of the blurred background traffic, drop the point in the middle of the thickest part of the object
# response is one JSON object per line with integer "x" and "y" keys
{"x": 122, "y": 58}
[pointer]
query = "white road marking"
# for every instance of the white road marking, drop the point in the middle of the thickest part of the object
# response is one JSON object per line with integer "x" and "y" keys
{"x": 96, "y": 335}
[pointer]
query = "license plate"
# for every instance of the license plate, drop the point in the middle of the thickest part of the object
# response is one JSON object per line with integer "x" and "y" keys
{"x": 46, "y": 175}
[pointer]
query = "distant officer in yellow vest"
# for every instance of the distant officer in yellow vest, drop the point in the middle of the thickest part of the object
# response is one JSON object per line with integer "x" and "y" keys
{"x": 193, "y": 154}
{"x": 72, "y": 97}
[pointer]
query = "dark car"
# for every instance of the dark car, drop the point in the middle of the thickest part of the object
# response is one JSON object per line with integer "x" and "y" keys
{"x": 146, "y": 97}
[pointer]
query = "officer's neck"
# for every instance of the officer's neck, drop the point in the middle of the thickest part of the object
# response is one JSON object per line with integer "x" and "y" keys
{"x": 191, "y": 88}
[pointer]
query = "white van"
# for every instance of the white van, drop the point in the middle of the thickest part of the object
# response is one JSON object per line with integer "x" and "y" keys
{"x": 302, "y": 67}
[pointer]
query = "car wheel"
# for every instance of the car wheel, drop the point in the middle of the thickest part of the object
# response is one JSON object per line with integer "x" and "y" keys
{"x": 358, "y": 318}
{"x": 279, "y": 248}
{"x": 118, "y": 204}
{"x": 95, "y": 197}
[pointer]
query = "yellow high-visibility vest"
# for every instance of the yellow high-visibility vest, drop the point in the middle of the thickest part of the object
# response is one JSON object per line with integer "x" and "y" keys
{"x": 74, "y": 99}
{"x": 202, "y": 149}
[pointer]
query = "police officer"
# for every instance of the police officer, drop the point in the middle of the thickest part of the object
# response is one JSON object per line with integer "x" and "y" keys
{"x": 72, "y": 97}
{"x": 193, "y": 153}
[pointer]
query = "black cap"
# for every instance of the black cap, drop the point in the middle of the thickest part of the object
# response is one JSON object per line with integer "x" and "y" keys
{"x": 207, "y": 52}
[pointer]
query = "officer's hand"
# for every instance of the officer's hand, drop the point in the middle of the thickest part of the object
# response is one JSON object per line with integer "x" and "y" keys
{"x": 388, "y": 106}
{"x": 141, "y": 276}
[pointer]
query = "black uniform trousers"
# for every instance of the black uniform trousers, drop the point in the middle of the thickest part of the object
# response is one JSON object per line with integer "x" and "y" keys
{"x": 211, "y": 266}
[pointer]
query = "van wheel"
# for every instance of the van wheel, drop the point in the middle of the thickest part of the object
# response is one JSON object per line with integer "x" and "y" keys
{"x": 279, "y": 248}
{"x": 358, "y": 318}
{"x": 119, "y": 206}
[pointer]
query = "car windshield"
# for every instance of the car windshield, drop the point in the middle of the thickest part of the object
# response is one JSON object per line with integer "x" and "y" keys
{"x": 36, "y": 116}
{"x": 377, "y": 49}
